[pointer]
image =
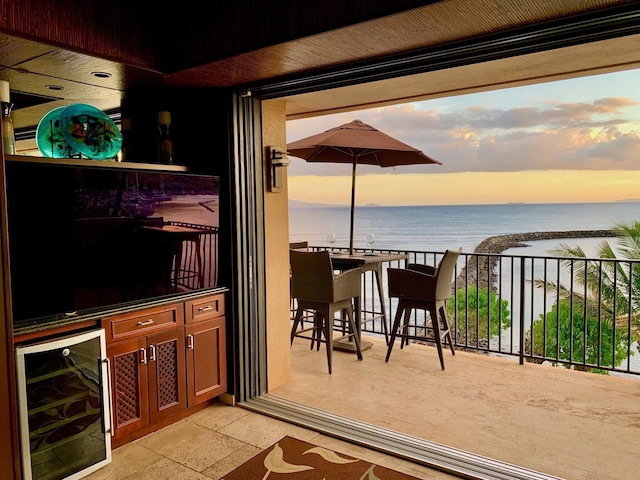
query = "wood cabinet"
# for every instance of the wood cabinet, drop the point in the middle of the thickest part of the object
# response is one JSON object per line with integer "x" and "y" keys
{"x": 143, "y": 322}
{"x": 166, "y": 374}
{"x": 165, "y": 361}
{"x": 146, "y": 351}
{"x": 129, "y": 386}
{"x": 206, "y": 349}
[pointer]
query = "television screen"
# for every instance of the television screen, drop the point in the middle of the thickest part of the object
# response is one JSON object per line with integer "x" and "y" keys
{"x": 86, "y": 238}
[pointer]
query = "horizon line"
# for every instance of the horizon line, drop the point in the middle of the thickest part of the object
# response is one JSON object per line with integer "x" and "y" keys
{"x": 373, "y": 205}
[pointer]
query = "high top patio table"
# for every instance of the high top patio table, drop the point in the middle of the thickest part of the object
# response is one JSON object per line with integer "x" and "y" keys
{"x": 369, "y": 262}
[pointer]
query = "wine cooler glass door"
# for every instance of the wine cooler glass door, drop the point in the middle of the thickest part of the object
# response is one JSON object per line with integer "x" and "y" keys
{"x": 64, "y": 409}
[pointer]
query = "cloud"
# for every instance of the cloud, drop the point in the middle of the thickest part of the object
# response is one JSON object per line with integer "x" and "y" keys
{"x": 595, "y": 135}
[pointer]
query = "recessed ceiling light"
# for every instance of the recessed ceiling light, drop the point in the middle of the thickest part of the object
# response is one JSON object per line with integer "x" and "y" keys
{"x": 54, "y": 87}
{"x": 101, "y": 74}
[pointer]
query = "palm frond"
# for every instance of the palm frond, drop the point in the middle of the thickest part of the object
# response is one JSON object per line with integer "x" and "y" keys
{"x": 628, "y": 239}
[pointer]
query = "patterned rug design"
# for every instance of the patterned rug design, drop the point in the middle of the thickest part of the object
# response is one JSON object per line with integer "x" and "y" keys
{"x": 292, "y": 459}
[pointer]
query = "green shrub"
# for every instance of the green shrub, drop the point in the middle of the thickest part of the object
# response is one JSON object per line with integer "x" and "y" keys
{"x": 564, "y": 336}
{"x": 479, "y": 314}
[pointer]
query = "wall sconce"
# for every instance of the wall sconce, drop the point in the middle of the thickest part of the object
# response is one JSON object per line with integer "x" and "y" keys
{"x": 278, "y": 161}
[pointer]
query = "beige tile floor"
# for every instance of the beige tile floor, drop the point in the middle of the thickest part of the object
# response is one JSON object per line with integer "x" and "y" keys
{"x": 214, "y": 441}
{"x": 574, "y": 425}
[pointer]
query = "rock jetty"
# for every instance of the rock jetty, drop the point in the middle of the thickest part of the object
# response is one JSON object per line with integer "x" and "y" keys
{"x": 500, "y": 243}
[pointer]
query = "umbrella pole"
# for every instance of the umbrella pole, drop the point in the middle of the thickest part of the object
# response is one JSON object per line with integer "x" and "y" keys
{"x": 353, "y": 200}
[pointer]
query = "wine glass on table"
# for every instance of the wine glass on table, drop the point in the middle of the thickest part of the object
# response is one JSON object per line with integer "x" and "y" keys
{"x": 370, "y": 238}
{"x": 331, "y": 239}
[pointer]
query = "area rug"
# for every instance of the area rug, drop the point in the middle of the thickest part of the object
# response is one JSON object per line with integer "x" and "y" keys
{"x": 292, "y": 459}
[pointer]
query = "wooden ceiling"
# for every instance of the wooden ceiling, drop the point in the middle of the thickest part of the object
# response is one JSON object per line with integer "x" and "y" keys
{"x": 216, "y": 44}
{"x": 438, "y": 23}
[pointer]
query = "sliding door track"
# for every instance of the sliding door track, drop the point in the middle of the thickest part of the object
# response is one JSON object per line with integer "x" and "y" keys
{"x": 440, "y": 457}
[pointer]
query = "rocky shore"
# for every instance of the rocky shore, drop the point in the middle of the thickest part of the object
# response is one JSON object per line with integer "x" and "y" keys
{"x": 500, "y": 243}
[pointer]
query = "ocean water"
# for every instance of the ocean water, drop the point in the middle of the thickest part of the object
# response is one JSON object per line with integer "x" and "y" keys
{"x": 436, "y": 228}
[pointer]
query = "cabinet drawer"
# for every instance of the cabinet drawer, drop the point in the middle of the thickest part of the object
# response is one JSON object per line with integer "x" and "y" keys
{"x": 143, "y": 322}
{"x": 204, "y": 308}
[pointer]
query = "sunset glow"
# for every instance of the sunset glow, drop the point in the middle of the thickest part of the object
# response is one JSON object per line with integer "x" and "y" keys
{"x": 557, "y": 186}
{"x": 570, "y": 141}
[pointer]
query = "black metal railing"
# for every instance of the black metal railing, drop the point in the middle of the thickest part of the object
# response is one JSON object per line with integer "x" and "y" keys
{"x": 578, "y": 312}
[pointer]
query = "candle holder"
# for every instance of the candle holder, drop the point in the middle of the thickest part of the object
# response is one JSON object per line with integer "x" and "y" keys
{"x": 165, "y": 141}
{"x": 8, "y": 134}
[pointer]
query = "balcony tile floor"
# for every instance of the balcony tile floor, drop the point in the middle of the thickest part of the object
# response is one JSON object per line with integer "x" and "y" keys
{"x": 574, "y": 425}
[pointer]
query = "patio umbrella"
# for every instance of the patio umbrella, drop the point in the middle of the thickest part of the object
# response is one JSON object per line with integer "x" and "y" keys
{"x": 355, "y": 143}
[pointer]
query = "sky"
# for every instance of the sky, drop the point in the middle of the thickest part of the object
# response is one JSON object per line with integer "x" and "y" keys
{"x": 570, "y": 141}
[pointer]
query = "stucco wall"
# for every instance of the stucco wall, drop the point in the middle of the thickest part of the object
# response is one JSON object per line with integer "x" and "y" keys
{"x": 276, "y": 212}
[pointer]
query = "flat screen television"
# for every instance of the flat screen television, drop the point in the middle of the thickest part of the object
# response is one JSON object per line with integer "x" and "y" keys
{"x": 88, "y": 238}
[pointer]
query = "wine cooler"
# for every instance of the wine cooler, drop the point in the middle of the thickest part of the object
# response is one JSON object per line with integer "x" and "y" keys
{"x": 63, "y": 400}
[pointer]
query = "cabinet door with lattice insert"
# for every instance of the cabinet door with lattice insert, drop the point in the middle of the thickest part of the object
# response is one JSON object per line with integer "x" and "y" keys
{"x": 167, "y": 374}
{"x": 129, "y": 385}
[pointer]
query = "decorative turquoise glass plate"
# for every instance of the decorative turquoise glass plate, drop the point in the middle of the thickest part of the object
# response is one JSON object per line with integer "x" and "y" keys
{"x": 90, "y": 131}
{"x": 49, "y": 137}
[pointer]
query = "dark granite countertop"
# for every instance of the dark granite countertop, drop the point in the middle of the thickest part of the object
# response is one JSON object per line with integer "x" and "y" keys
{"x": 65, "y": 320}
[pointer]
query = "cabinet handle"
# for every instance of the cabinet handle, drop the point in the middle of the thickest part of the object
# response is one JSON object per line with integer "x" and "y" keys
{"x": 146, "y": 322}
{"x": 143, "y": 356}
{"x": 152, "y": 353}
{"x": 190, "y": 342}
{"x": 205, "y": 309}
{"x": 109, "y": 406}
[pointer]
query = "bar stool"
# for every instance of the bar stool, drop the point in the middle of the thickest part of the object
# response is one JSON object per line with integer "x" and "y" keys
{"x": 423, "y": 287}
{"x": 316, "y": 288}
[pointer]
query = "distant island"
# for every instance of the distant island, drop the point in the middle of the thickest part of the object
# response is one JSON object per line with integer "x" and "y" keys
{"x": 297, "y": 204}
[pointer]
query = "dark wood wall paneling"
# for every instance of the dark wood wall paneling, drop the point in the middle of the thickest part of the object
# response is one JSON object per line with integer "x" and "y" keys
{"x": 182, "y": 35}
{"x": 115, "y": 29}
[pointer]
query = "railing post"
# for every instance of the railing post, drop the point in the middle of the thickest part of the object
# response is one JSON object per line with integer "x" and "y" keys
{"x": 522, "y": 287}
